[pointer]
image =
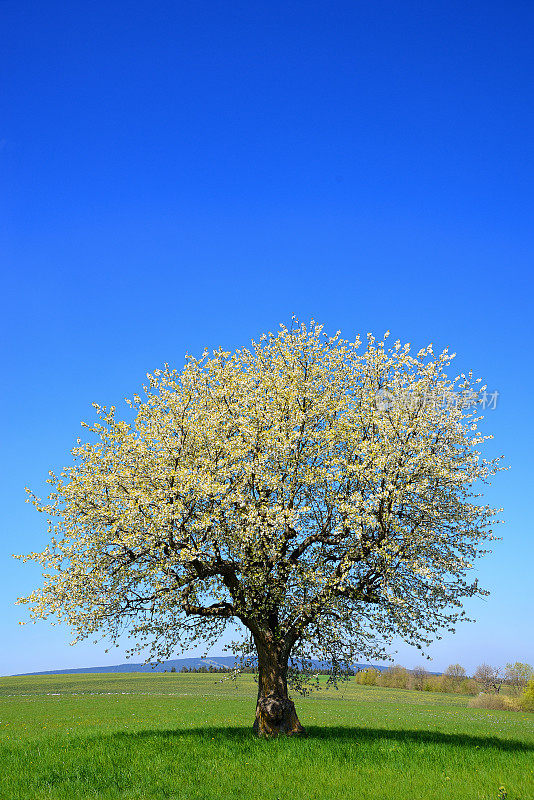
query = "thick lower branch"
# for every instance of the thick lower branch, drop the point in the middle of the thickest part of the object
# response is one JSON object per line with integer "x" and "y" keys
{"x": 225, "y": 610}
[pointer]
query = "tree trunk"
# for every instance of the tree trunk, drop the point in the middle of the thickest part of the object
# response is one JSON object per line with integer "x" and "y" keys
{"x": 275, "y": 712}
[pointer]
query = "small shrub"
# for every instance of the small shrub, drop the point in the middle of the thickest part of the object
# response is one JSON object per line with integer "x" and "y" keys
{"x": 494, "y": 701}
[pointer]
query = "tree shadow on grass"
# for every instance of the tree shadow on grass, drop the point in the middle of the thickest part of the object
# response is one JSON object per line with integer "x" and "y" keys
{"x": 337, "y": 735}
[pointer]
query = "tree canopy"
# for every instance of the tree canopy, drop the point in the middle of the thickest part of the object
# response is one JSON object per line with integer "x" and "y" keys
{"x": 315, "y": 492}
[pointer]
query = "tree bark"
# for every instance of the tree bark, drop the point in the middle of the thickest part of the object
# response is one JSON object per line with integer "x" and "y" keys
{"x": 275, "y": 712}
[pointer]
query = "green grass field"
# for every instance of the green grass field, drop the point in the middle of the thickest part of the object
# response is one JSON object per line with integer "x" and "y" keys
{"x": 188, "y": 737}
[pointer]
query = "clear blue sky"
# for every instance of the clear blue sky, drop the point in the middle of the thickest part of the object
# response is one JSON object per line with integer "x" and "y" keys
{"x": 176, "y": 175}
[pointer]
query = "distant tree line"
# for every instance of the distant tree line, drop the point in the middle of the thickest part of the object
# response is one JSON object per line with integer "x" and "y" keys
{"x": 250, "y": 670}
{"x": 516, "y": 681}
{"x": 487, "y": 679}
{"x": 454, "y": 679}
{"x": 206, "y": 669}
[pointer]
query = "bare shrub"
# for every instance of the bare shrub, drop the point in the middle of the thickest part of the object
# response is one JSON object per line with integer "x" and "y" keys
{"x": 453, "y": 677}
{"x": 419, "y": 676}
{"x": 395, "y": 677}
{"x": 489, "y": 678}
{"x": 498, "y": 702}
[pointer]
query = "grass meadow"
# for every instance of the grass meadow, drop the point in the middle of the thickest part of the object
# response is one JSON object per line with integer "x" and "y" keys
{"x": 188, "y": 737}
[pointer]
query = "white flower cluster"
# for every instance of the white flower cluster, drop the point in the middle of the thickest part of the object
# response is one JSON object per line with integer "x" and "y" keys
{"x": 268, "y": 486}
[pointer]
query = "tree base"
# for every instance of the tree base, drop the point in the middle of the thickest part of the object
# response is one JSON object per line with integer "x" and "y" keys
{"x": 276, "y": 716}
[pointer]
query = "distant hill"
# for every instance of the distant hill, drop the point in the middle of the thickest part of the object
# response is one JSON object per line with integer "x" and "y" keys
{"x": 166, "y": 666}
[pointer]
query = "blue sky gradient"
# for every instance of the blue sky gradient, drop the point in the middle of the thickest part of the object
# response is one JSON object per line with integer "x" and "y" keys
{"x": 182, "y": 175}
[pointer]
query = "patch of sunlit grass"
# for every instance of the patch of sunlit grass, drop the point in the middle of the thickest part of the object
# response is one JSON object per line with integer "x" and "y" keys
{"x": 188, "y": 737}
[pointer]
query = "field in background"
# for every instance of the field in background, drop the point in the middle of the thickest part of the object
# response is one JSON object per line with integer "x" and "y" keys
{"x": 188, "y": 737}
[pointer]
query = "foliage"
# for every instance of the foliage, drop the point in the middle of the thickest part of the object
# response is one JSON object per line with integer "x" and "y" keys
{"x": 419, "y": 676}
{"x": 395, "y": 677}
{"x": 452, "y": 677}
{"x": 526, "y": 701}
{"x": 468, "y": 686}
{"x": 367, "y": 677}
{"x": 517, "y": 675}
{"x": 455, "y": 672}
{"x": 269, "y": 486}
